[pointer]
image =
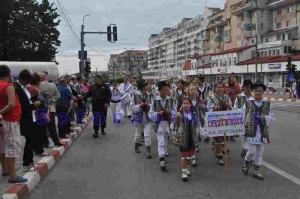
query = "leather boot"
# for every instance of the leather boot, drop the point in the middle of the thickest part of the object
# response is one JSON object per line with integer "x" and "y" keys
{"x": 95, "y": 135}
{"x": 246, "y": 167}
{"x": 256, "y": 173}
{"x": 136, "y": 148}
{"x": 148, "y": 152}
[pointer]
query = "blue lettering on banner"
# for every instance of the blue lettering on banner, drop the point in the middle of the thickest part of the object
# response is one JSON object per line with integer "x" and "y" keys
{"x": 41, "y": 114}
{"x": 64, "y": 121}
{"x": 101, "y": 118}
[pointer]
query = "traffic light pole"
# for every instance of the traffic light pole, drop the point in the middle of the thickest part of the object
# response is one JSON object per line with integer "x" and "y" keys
{"x": 82, "y": 50}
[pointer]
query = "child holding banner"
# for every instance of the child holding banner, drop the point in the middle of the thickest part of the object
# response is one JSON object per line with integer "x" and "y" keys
{"x": 258, "y": 119}
{"x": 240, "y": 104}
{"x": 186, "y": 135}
{"x": 219, "y": 102}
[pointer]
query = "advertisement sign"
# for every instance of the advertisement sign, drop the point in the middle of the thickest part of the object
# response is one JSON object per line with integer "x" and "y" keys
{"x": 274, "y": 66}
{"x": 220, "y": 122}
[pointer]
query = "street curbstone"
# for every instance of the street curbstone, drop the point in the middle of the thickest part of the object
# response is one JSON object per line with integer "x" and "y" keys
{"x": 22, "y": 190}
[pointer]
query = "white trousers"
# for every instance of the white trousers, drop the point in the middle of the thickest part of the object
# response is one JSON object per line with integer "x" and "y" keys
{"x": 127, "y": 109}
{"x": 255, "y": 152}
{"x": 244, "y": 144}
{"x": 162, "y": 145}
{"x": 140, "y": 128}
{"x": 115, "y": 110}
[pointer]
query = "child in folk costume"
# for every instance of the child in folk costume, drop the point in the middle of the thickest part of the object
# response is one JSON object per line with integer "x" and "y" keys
{"x": 178, "y": 93}
{"x": 219, "y": 102}
{"x": 197, "y": 106}
{"x": 115, "y": 102}
{"x": 258, "y": 119}
{"x": 186, "y": 137}
{"x": 140, "y": 105}
{"x": 240, "y": 104}
{"x": 126, "y": 91}
{"x": 161, "y": 110}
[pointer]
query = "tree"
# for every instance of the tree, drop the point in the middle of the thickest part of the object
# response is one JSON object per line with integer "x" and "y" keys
{"x": 31, "y": 33}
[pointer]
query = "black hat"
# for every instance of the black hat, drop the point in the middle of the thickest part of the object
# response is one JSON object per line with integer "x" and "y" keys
{"x": 200, "y": 76}
{"x": 258, "y": 84}
{"x": 247, "y": 82}
{"x": 141, "y": 83}
{"x": 162, "y": 84}
{"x": 181, "y": 81}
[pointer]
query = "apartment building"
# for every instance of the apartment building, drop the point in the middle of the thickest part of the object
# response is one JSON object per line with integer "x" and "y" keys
{"x": 129, "y": 62}
{"x": 169, "y": 50}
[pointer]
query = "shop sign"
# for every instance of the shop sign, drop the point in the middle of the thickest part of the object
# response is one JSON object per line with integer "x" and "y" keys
{"x": 274, "y": 66}
{"x": 191, "y": 72}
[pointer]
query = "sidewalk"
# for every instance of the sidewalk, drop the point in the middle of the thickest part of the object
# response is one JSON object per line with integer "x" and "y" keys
{"x": 22, "y": 190}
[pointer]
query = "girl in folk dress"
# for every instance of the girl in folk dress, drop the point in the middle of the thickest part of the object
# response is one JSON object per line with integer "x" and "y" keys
{"x": 258, "y": 119}
{"x": 186, "y": 138}
{"x": 115, "y": 102}
{"x": 219, "y": 102}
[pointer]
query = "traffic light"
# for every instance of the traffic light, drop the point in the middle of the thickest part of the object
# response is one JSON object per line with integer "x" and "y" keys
{"x": 294, "y": 68}
{"x": 109, "y": 33}
{"x": 115, "y": 34}
{"x": 87, "y": 67}
{"x": 289, "y": 65}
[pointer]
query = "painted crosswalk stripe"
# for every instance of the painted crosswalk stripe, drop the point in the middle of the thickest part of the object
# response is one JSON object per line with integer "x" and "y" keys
{"x": 282, "y": 173}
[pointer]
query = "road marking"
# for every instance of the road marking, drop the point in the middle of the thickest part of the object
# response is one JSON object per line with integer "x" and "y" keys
{"x": 282, "y": 173}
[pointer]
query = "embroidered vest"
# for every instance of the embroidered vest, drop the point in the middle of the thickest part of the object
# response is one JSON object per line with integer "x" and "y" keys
{"x": 220, "y": 101}
{"x": 185, "y": 128}
{"x": 241, "y": 100}
{"x": 178, "y": 98}
{"x": 138, "y": 99}
{"x": 158, "y": 107}
{"x": 250, "y": 123}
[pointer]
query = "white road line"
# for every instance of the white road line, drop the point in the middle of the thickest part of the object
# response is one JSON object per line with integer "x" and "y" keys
{"x": 282, "y": 173}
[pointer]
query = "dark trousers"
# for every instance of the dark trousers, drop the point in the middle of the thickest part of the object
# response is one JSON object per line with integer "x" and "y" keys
{"x": 80, "y": 111}
{"x": 63, "y": 124}
{"x": 51, "y": 126}
{"x": 100, "y": 113}
{"x": 33, "y": 143}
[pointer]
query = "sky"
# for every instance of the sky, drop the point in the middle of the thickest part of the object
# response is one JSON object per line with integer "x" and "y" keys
{"x": 136, "y": 21}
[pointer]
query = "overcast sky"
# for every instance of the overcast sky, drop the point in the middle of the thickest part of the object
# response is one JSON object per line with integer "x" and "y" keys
{"x": 135, "y": 19}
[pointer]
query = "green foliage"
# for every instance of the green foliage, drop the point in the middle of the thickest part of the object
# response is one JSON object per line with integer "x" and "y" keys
{"x": 29, "y": 31}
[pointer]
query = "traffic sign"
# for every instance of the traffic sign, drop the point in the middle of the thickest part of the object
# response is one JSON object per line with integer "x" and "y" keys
{"x": 84, "y": 54}
{"x": 291, "y": 77}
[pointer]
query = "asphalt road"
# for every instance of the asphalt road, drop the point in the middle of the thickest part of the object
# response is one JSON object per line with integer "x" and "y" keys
{"x": 107, "y": 168}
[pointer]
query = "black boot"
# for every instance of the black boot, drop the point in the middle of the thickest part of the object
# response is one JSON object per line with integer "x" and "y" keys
{"x": 232, "y": 139}
{"x": 220, "y": 160}
{"x": 244, "y": 152}
{"x": 163, "y": 164}
{"x": 246, "y": 167}
{"x": 256, "y": 173}
{"x": 136, "y": 148}
{"x": 103, "y": 132}
{"x": 148, "y": 152}
{"x": 95, "y": 135}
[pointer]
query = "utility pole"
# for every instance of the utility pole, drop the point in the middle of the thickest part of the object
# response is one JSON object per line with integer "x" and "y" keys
{"x": 82, "y": 33}
{"x": 256, "y": 55}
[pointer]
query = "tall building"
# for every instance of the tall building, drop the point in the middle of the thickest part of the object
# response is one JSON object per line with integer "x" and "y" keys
{"x": 129, "y": 62}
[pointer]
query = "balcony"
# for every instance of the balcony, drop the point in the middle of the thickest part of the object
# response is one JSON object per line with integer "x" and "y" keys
{"x": 245, "y": 5}
{"x": 218, "y": 38}
{"x": 275, "y": 4}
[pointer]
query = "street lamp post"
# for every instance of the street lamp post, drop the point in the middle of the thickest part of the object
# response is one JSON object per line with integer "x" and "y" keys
{"x": 82, "y": 45}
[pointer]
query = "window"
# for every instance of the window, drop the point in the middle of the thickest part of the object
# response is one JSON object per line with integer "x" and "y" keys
{"x": 278, "y": 37}
{"x": 261, "y": 26}
{"x": 234, "y": 61}
{"x": 225, "y": 62}
{"x": 279, "y": 12}
{"x": 216, "y": 63}
{"x": 267, "y": 40}
{"x": 262, "y": 39}
{"x": 277, "y": 51}
{"x": 289, "y": 36}
{"x": 253, "y": 26}
{"x": 229, "y": 61}
{"x": 221, "y": 63}
{"x": 283, "y": 36}
{"x": 285, "y": 50}
{"x": 270, "y": 53}
{"x": 287, "y": 23}
{"x": 278, "y": 25}
{"x": 289, "y": 9}
{"x": 252, "y": 41}
{"x": 273, "y": 52}
{"x": 265, "y": 53}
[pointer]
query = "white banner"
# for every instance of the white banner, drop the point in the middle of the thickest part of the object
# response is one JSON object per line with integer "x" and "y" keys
{"x": 220, "y": 122}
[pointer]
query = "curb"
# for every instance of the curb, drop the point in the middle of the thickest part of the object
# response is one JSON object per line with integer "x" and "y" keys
{"x": 22, "y": 190}
{"x": 283, "y": 100}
